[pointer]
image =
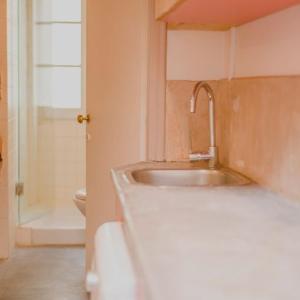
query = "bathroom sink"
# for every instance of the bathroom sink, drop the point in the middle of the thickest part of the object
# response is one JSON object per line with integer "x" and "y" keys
{"x": 202, "y": 169}
{"x": 189, "y": 177}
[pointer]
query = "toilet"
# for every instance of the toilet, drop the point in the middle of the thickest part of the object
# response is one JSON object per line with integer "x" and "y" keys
{"x": 80, "y": 200}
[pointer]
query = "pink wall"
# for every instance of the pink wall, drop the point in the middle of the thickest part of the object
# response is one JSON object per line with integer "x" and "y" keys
{"x": 197, "y": 55}
{"x": 260, "y": 113}
{"x": 8, "y": 127}
{"x": 4, "y": 207}
{"x": 257, "y": 128}
{"x": 269, "y": 46}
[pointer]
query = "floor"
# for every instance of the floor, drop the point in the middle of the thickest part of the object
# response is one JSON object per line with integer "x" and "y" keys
{"x": 43, "y": 273}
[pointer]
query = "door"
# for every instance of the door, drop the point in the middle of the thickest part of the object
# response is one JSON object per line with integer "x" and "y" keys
{"x": 51, "y": 142}
{"x": 125, "y": 73}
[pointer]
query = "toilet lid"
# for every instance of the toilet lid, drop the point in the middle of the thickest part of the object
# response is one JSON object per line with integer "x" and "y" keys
{"x": 81, "y": 194}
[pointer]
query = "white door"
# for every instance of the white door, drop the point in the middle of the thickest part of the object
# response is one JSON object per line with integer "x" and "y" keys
{"x": 118, "y": 53}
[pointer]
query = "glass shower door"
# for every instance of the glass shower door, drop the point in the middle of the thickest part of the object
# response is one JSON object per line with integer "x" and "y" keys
{"x": 51, "y": 143}
{"x": 31, "y": 206}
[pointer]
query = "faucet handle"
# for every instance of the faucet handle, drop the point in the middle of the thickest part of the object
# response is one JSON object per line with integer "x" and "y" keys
{"x": 200, "y": 156}
{"x": 212, "y": 154}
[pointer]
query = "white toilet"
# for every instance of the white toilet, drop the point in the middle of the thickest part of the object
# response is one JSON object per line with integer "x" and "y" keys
{"x": 80, "y": 200}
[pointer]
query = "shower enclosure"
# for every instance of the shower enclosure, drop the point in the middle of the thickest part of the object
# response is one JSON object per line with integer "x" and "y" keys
{"x": 51, "y": 143}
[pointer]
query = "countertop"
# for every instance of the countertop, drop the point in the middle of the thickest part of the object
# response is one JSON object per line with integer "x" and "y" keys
{"x": 212, "y": 243}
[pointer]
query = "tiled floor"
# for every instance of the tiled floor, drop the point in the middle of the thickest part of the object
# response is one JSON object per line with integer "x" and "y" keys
{"x": 43, "y": 274}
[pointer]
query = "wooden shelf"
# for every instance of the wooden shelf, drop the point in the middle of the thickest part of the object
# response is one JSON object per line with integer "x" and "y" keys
{"x": 216, "y": 14}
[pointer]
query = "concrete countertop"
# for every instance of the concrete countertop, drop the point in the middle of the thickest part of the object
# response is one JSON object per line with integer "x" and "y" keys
{"x": 212, "y": 243}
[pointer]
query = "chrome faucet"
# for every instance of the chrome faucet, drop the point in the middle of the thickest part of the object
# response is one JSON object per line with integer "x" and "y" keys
{"x": 212, "y": 154}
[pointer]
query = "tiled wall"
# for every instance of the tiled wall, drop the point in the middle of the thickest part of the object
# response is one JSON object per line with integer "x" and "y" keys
{"x": 258, "y": 128}
{"x": 8, "y": 127}
{"x": 61, "y": 161}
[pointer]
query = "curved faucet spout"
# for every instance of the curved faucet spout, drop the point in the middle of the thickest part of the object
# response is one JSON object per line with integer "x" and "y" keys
{"x": 211, "y": 155}
{"x": 199, "y": 85}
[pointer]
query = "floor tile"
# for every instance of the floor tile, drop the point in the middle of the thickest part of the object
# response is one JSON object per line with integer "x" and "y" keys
{"x": 44, "y": 274}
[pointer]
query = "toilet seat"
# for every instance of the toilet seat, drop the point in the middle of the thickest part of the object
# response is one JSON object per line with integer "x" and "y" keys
{"x": 81, "y": 194}
{"x": 80, "y": 200}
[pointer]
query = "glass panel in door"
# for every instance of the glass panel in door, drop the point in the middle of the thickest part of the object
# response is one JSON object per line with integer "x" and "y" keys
{"x": 51, "y": 143}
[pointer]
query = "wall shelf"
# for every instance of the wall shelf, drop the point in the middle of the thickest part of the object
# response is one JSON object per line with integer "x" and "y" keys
{"x": 216, "y": 14}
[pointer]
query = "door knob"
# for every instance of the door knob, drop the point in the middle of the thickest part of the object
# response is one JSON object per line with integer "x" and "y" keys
{"x": 81, "y": 118}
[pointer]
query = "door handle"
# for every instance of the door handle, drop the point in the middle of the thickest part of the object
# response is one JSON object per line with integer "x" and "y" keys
{"x": 81, "y": 118}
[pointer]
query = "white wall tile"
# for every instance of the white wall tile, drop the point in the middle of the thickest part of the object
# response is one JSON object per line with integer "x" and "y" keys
{"x": 61, "y": 160}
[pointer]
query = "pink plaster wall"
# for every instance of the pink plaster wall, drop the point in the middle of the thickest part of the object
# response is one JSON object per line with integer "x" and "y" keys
{"x": 270, "y": 45}
{"x": 258, "y": 128}
{"x": 257, "y": 112}
{"x": 8, "y": 134}
{"x": 197, "y": 55}
{"x": 4, "y": 206}
{"x": 264, "y": 131}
